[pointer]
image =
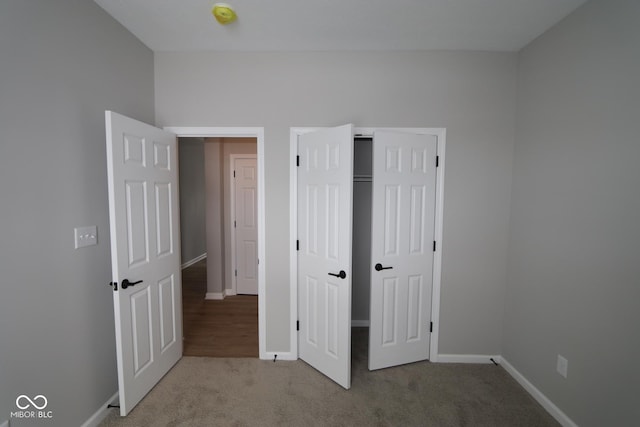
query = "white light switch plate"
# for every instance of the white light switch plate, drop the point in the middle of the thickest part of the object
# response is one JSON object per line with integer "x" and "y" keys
{"x": 85, "y": 236}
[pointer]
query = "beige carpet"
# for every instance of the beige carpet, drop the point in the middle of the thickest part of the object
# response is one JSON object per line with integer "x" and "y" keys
{"x": 251, "y": 392}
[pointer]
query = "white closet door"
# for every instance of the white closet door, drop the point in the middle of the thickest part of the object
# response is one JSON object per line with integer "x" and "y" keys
{"x": 324, "y": 258}
{"x": 403, "y": 204}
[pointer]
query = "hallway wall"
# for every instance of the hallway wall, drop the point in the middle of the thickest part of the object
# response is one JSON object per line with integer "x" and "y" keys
{"x": 192, "y": 198}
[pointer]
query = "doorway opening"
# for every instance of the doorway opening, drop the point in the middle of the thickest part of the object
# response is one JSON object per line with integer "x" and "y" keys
{"x": 218, "y": 221}
{"x": 209, "y": 276}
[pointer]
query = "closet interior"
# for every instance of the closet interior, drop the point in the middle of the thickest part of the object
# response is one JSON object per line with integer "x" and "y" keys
{"x": 361, "y": 253}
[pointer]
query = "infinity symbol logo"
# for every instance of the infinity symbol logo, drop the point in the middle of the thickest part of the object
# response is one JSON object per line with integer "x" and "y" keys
{"x": 33, "y": 403}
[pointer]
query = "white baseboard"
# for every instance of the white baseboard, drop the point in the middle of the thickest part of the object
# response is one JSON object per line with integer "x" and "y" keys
{"x": 101, "y": 413}
{"x": 220, "y": 295}
{"x": 543, "y": 400}
{"x": 359, "y": 323}
{"x": 269, "y": 355}
{"x": 215, "y": 295}
{"x": 466, "y": 358}
{"x": 193, "y": 261}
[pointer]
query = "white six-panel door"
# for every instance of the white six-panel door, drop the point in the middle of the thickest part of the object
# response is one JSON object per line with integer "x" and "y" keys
{"x": 324, "y": 197}
{"x": 246, "y": 225}
{"x": 403, "y": 215}
{"x": 145, "y": 250}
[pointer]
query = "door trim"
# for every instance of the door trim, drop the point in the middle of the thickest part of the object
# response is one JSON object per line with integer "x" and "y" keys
{"x": 232, "y": 207}
{"x": 440, "y": 134}
{"x": 244, "y": 132}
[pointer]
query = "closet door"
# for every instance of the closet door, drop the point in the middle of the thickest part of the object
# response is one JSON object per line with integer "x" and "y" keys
{"x": 403, "y": 215}
{"x": 324, "y": 258}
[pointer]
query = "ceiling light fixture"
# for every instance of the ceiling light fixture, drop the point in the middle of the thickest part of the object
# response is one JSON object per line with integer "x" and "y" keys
{"x": 223, "y": 13}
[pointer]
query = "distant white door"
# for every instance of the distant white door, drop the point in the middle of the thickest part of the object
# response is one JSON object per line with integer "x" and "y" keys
{"x": 145, "y": 254}
{"x": 403, "y": 219}
{"x": 325, "y": 185}
{"x": 245, "y": 204}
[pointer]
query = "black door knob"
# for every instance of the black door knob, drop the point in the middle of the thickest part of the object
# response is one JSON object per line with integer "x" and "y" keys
{"x": 126, "y": 283}
{"x": 341, "y": 275}
{"x": 379, "y": 267}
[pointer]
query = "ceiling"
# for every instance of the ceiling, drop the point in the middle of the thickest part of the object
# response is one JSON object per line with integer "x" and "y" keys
{"x": 329, "y": 25}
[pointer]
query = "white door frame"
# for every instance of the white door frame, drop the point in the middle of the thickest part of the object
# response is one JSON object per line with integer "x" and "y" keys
{"x": 232, "y": 207}
{"x": 244, "y": 132}
{"x": 440, "y": 134}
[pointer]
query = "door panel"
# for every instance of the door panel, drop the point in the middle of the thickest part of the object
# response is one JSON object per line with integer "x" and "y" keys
{"x": 167, "y": 304}
{"x": 141, "y": 328}
{"x": 137, "y": 225}
{"x": 324, "y": 232}
{"x": 403, "y": 209}
{"x": 416, "y": 214}
{"x": 391, "y": 220}
{"x": 413, "y": 308}
{"x": 389, "y": 310}
{"x": 143, "y": 214}
{"x": 163, "y": 219}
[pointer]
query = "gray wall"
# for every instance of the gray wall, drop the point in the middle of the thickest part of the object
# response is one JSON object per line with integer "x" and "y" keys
{"x": 471, "y": 94}
{"x": 192, "y": 198}
{"x": 574, "y": 268}
{"x": 62, "y": 64}
{"x": 215, "y": 216}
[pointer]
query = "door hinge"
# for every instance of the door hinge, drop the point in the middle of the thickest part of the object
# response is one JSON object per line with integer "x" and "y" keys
{"x": 437, "y": 161}
{"x": 430, "y": 326}
{"x": 297, "y": 245}
{"x": 297, "y": 160}
{"x": 234, "y": 224}
{"x": 234, "y": 172}
{"x": 297, "y": 325}
{"x": 434, "y": 246}
{"x": 236, "y": 273}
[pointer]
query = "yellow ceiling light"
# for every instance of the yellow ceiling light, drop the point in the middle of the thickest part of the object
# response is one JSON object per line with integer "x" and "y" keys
{"x": 223, "y": 13}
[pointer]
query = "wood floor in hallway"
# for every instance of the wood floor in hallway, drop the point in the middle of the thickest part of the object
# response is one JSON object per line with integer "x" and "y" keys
{"x": 212, "y": 328}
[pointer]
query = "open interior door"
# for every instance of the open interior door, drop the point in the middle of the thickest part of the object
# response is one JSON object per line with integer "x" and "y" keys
{"x": 403, "y": 218}
{"x": 145, "y": 254}
{"x": 325, "y": 186}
